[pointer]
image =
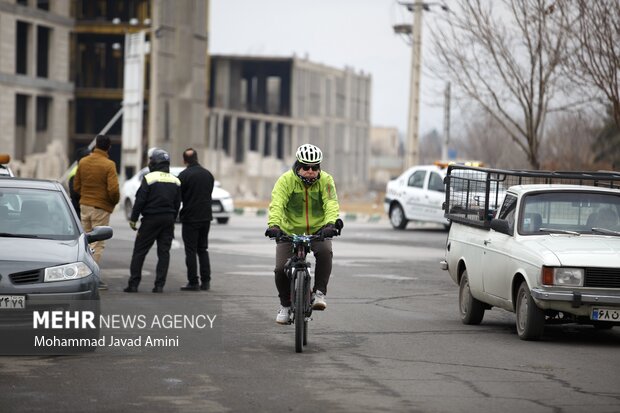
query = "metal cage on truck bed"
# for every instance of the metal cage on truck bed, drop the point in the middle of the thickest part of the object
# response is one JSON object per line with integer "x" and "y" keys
{"x": 474, "y": 194}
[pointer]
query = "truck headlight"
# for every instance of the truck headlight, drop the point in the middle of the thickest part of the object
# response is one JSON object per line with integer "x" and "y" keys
{"x": 563, "y": 276}
{"x": 67, "y": 272}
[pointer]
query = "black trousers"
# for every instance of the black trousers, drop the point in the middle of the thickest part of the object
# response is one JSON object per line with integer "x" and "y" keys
{"x": 196, "y": 240}
{"x": 153, "y": 228}
{"x": 322, "y": 252}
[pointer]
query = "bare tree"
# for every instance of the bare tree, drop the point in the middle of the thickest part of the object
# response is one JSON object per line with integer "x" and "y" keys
{"x": 593, "y": 60}
{"x": 568, "y": 143}
{"x": 594, "y": 47}
{"x": 506, "y": 60}
{"x": 483, "y": 139}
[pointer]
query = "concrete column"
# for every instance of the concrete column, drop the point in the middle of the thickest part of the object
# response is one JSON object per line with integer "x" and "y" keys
{"x": 232, "y": 137}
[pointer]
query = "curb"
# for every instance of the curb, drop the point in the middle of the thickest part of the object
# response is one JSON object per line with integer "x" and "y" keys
{"x": 346, "y": 216}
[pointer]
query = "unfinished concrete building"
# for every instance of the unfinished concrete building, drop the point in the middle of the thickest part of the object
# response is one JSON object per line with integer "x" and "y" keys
{"x": 35, "y": 89}
{"x": 262, "y": 108}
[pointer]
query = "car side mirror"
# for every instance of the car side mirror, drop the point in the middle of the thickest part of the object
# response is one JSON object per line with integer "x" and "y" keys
{"x": 99, "y": 233}
{"x": 500, "y": 225}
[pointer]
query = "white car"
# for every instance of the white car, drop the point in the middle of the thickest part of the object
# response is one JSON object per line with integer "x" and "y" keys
{"x": 416, "y": 195}
{"x": 551, "y": 254}
{"x": 222, "y": 204}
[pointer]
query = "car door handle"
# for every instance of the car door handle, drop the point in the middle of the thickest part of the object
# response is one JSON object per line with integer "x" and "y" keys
{"x": 487, "y": 241}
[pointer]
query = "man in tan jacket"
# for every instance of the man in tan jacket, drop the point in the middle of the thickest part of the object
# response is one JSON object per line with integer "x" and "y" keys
{"x": 97, "y": 183}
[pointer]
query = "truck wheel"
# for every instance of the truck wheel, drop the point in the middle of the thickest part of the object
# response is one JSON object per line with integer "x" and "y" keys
{"x": 471, "y": 309}
{"x": 397, "y": 217}
{"x": 530, "y": 318}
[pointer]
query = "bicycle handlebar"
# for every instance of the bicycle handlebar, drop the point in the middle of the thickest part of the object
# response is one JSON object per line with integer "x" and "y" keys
{"x": 300, "y": 238}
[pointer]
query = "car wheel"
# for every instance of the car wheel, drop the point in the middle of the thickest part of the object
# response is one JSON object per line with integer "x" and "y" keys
{"x": 471, "y": 309}
{"x": 128, "y": 208}
{"x": 530, "y": 318}
{"x": 397, "y": 217}
{"x": 222, "y": 220}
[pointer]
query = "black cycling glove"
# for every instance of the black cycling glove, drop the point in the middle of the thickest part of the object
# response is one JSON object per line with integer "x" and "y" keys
{"x": 273, "y": 232}
{"x": 329, "y": 231}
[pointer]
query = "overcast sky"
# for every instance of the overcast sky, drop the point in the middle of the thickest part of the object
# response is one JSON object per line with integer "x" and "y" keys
{"x": 338, "y": 33}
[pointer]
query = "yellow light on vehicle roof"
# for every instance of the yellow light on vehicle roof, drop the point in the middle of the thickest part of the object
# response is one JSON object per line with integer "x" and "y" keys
{"x": 5, "y": 158}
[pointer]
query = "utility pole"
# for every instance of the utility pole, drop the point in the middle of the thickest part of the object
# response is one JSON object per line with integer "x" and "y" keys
{"x": 413, "y": 121}
{"x": 446, "y": 123}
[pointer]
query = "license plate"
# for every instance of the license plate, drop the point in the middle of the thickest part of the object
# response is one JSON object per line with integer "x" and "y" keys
{"x": 12, "y": 301}
{"x": 605, "y": 314}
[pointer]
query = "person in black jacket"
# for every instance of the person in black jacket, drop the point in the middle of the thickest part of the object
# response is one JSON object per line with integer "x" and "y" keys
{"x": 158, "y": 200}
{"x": 196, "y": 188}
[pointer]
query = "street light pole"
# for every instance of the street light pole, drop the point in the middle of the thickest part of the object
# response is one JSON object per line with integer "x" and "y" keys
{"x": 413, "y": 120}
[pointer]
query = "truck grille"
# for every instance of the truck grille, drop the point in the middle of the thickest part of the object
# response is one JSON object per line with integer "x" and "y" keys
{"x": 602, "y": 277}
{"x": 27, "y": 277}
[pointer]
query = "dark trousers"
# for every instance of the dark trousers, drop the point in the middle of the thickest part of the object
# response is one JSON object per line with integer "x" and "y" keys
{"x": 322, "y": 252}
{"x": 196, "y": 240}
{"x": 153, "y": 228}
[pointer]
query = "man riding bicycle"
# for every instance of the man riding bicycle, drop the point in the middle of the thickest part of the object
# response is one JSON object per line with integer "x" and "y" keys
{"x": 304, "y": 201}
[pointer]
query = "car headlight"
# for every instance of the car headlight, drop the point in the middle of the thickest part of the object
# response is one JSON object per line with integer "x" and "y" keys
{"x": 67, "y": 272}
{"x": 562, "y": 276}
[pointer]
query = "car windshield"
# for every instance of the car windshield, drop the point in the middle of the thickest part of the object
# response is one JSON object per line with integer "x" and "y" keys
{"x": 35, "y": 213}
{"x": 570, "y": 212}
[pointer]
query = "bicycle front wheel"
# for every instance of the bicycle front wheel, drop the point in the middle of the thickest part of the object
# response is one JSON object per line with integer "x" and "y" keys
{"x": 300, "y": 316}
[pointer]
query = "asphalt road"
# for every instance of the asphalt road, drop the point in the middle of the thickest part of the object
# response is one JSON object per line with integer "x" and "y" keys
{"x": 390, "y": 340}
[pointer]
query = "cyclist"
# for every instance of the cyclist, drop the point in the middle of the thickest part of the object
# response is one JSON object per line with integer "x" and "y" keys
{"x": 303, "y": 201}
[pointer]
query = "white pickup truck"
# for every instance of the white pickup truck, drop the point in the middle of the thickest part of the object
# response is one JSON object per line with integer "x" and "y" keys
{"x": 550, "y": 253}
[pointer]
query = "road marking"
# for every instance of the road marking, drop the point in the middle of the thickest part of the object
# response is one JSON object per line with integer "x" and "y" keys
{"x": 251, "y": 273}
{"x": 386, "y": 276}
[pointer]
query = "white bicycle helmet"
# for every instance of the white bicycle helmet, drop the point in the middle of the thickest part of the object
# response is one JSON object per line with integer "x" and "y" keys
{"x": 309, "y": 154}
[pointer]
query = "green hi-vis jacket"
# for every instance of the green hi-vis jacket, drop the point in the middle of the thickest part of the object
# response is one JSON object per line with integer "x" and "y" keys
{"x": 299, "y": 209}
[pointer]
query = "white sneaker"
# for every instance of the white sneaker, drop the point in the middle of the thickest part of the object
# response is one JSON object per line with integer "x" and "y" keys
{"x": 318, "y": 301}
{"x": 284, "y": 315}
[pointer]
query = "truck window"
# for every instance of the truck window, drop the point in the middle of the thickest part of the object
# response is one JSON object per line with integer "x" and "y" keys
{"x": 417, "y": 179}
{"x": 508, "y": 211}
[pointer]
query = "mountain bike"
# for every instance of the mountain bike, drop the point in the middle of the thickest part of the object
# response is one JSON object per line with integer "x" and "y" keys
{"x": 297, "y": 269}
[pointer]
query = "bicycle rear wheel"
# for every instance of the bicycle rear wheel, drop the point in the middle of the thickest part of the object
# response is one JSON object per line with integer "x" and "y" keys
{"x": 300, "y": 316}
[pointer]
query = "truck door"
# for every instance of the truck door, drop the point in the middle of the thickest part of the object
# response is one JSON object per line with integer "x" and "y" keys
{"x": 497, "y": 253}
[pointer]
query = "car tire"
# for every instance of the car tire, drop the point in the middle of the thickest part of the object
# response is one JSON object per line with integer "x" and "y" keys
{"x": 128, "y": 208}
{"x": 397, "y": 217}
{"x": 222, "y": 220}
{"x": 471, "y": 309}
{"x": 530, "y": 318}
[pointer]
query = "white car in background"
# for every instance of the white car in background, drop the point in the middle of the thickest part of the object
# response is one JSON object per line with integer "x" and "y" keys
{"x": 416, "y": 195}
{"x": 222, "y": 203}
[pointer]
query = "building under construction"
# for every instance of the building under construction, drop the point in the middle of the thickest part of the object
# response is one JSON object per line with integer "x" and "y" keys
{"x": 62, "y": 79}
{"x": 262, "y": 108}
